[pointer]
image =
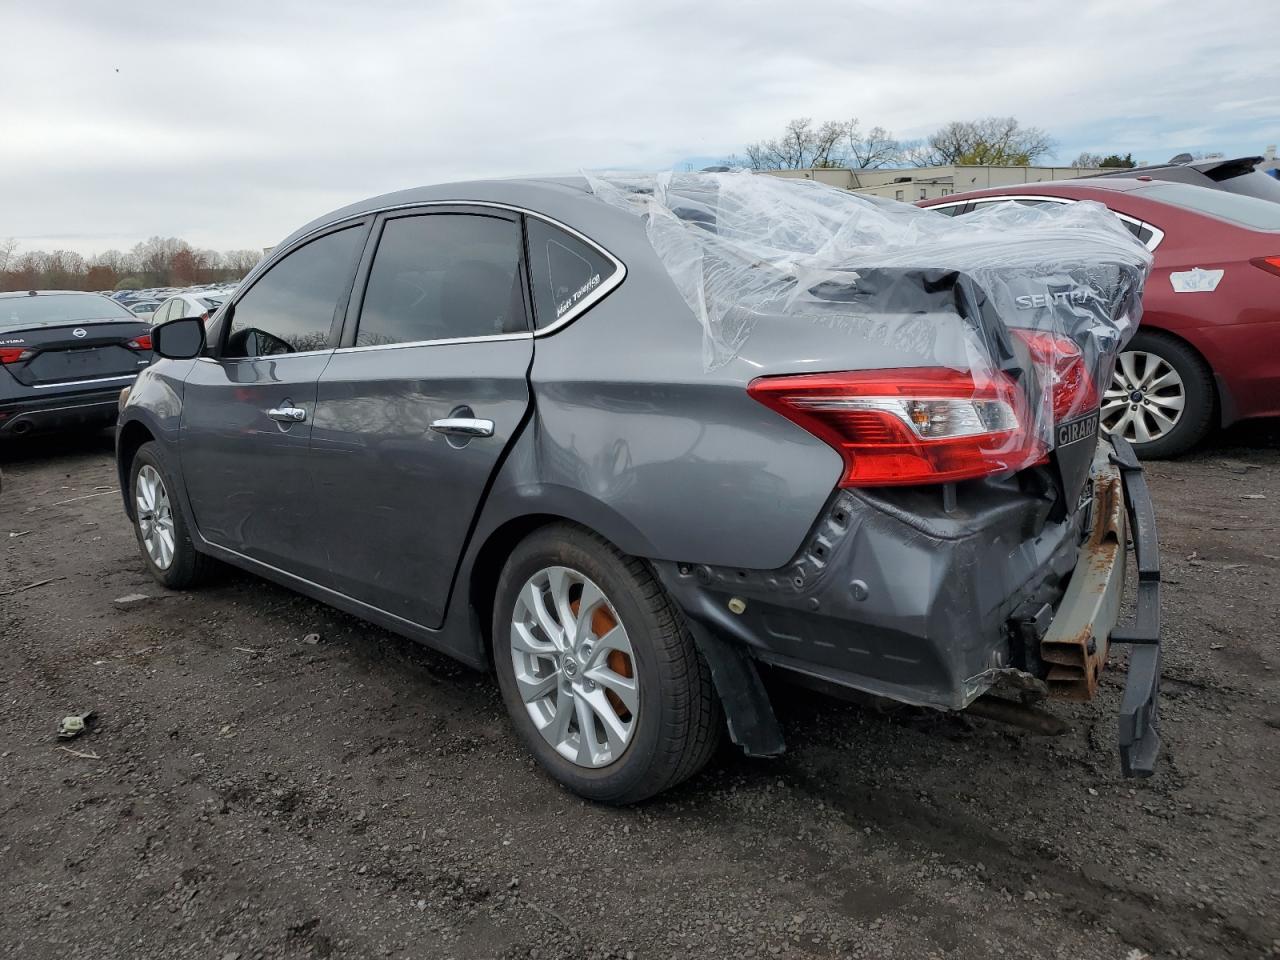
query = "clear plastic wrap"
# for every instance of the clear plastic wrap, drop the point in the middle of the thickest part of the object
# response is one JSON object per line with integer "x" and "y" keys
{"x": 1038, "y": 298}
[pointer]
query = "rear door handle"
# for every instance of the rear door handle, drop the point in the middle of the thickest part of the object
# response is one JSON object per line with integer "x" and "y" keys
{"x": 287, "y": 414}
{"x": 463, "y": 427}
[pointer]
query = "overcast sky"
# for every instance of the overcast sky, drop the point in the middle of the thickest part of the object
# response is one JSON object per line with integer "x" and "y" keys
{"x": 231, "y": 123}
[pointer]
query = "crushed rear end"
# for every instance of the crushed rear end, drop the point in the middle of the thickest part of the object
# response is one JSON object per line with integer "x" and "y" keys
{"x": 977, "y": 537}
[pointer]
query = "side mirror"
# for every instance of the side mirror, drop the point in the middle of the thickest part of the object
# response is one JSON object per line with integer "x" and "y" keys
{"x": 181, "y": 339}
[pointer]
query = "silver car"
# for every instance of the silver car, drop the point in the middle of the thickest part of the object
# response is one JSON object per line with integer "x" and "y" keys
{"x": 491, "y": 417}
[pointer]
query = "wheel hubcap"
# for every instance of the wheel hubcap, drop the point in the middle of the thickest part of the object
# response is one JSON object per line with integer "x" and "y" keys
{"x": 574, "y": 667}
{"x": 155, "y": 516}
{"x": 1146, "y": 397}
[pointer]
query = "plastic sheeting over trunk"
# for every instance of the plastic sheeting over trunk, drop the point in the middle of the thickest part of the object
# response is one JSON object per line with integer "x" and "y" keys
{"x": 1028, "y": 306}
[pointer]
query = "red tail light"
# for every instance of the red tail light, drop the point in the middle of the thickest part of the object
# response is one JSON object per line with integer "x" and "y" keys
{"x": 140, "y": 343}
{"x": 1270, "y": 264}
{"x": 1074, "y": 391}
{"x": 908, "y": 426}
{"x": 14, "y": 354}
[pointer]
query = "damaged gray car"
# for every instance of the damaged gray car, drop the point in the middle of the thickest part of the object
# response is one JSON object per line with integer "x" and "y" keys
{"x": 628, "y": 442}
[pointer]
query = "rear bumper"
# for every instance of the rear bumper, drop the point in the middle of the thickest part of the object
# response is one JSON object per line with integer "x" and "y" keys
{"x": 934, "y": 610}
{"x": 43, "y": 414}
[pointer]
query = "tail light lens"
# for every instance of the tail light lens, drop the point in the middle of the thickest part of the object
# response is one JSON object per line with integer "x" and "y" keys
{"x": 1074, "y": 391}
{"x": 1270, "y": 264}
{"x": 910, "y": 425}
{"x": 140, "y": 343}
{"x": 15, "y": 354}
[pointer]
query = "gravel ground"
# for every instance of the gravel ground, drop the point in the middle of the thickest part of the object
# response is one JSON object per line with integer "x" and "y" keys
{"x": 248, "y": 794}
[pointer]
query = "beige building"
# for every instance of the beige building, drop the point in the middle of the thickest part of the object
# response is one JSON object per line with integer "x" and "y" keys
{"x": 925, "y": 183}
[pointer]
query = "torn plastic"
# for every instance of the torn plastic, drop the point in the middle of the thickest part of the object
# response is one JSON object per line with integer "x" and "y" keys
{"x": 1029, "y": 306}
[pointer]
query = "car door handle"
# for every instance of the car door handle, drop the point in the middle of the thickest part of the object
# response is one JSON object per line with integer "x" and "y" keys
{"x": 463, "y": 427}
{"x": 287, "y": 414}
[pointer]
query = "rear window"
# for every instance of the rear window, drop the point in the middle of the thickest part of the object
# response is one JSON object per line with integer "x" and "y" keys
{"x": 567, "y": 273}
{"x": 210, "y": 303}
{"x": 1234, "y": 208}
{"x": 50, "y": 309}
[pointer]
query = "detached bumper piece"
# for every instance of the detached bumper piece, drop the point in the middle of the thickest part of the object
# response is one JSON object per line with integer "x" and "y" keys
{"x": 1140, "y": 706}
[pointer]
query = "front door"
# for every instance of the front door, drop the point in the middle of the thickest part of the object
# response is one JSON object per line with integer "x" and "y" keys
{"x": 247, "y": 410}
{"x": 413, "y": 413}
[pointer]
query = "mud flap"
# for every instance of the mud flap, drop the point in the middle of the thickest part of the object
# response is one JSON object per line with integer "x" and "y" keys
{"x": 1139, "y": 731}
{"x": 747, "y": 710}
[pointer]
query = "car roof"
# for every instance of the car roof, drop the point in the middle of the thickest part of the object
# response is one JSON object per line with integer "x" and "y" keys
{"x": 1077, "y": 185}
{"x": 552, "y": 196}
{"x": 60, "y": 293}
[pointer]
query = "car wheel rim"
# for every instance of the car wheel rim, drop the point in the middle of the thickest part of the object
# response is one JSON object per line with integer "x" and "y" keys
{"x": 1146, "y": 398}
{"x": 155, "y": 516}
{"x": 574, "y": 667}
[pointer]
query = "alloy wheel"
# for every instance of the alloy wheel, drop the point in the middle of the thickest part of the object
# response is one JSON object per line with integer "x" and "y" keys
{"x": 155, "y": 516}
{"x": 1146, "y": 398}
{"x": 574, "y": 667}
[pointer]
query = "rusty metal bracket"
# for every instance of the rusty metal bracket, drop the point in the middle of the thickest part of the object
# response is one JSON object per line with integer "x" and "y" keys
{"x": 1075, "y": 645}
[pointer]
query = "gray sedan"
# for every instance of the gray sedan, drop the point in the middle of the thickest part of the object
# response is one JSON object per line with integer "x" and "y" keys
{"x": 483, "y": 416}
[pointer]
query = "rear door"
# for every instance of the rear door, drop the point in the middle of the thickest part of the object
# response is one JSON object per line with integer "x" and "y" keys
{"x": 415, "y": 409}
{"x": 247, "y": 409}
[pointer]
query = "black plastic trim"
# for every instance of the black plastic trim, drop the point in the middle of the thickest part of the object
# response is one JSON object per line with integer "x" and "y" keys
{"x": 1139, "y": 721}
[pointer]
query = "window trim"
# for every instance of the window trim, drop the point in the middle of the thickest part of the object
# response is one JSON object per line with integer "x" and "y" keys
{"x": 355, "y": 304}
{"x": 1157, "y": 235}
{"x": 265, "y": 267}
{"x": 587, "y": 302}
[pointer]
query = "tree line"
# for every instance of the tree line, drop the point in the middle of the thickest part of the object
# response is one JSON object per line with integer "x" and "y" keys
{"x": 989, "y": 141}
{"x": 156, "y": 262}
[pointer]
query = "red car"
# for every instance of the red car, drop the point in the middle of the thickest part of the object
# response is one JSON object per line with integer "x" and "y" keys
{"x": 1208, "y": 351}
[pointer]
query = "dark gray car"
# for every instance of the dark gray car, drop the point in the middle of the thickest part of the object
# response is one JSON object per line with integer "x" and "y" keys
{"x": 482, "y": 415}
{"x": 64, "y": 355}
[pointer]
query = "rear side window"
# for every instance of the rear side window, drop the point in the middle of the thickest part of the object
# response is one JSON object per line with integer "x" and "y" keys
{"x": 443, "y": 276}
{"x": 568, "y": 274}
{"x": 291, "y": 308}
{"x": 1235, "y": 208}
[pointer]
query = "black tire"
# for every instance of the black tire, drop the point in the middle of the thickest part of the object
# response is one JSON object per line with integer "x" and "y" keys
{"x": 679, "y": 724}
{"x": 1201, "y": 396}
{"x": 188, "y": 566}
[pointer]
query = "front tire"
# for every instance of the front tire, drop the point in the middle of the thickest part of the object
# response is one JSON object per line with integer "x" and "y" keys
{"x": 600, "y": 676}
{"x": 158, "y": 524}
{"x": 1161, "y": 396}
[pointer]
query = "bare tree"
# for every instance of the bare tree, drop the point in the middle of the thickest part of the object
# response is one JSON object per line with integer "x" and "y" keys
{"x": 1087, "y": 161}
{"x": 8, "y": 249}
{"x": 240, "y": 262}
{"x": 991, "y": 141}
{"x": 801, "y": 146}
{"x": 876, "y": 148}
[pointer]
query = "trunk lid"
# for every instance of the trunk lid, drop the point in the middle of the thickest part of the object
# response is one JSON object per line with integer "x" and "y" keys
{"x": 66, "y": 354}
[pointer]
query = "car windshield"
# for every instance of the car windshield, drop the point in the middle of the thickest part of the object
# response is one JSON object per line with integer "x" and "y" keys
{"x": 212, "y": 303}
{"x": 50, "y": 309}
{"x": 1235, "y": 208}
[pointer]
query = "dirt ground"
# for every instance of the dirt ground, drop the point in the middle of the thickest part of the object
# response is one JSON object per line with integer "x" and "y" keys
{"x": 247, "y": 794}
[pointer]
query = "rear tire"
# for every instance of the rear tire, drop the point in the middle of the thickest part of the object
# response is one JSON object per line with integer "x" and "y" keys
{"x": 1180, "y": 376}
{"x": 631, "y": 754}
{"x": 158, "y": 524}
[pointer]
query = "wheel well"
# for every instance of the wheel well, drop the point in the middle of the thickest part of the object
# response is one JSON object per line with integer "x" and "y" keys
{"x": 488, "y": 567}
{"x": 132, "y": 436}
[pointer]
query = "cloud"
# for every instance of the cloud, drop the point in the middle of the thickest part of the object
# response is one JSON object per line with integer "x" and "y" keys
{"x": 231, "y": 125}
